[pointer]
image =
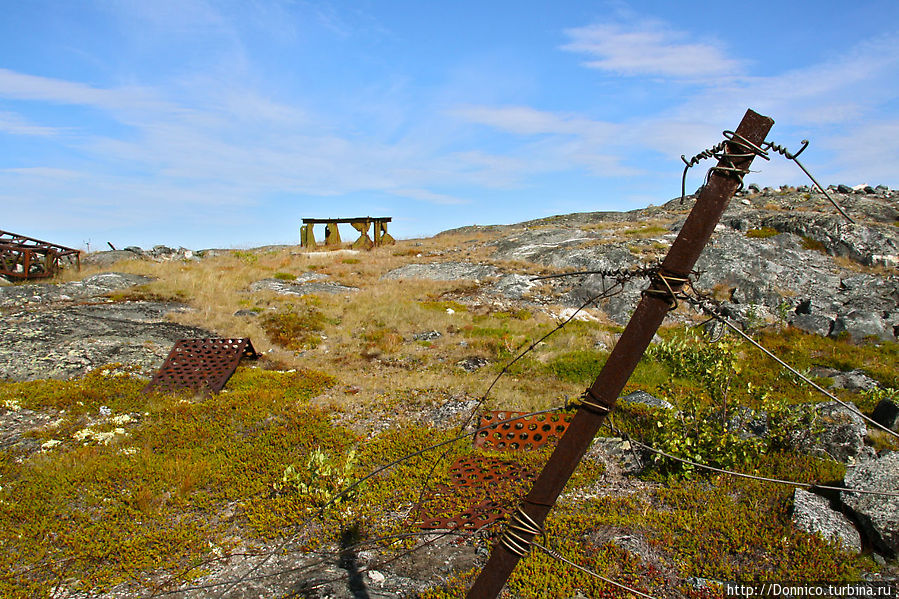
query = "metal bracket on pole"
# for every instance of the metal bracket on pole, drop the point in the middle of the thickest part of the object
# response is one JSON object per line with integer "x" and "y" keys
{"x": 601, "y": 397}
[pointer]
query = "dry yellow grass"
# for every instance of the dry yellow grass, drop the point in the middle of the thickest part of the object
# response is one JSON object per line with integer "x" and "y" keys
{"x": 367, "y": 343}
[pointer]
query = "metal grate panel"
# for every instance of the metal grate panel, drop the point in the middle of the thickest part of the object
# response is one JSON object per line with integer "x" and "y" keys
{"x": 201, "y": 364}
{"x": 521, "y": 433}
{"x": 491, "y": 487}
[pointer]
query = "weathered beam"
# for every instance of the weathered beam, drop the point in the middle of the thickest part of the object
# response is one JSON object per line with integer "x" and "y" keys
{"x": 346, "y": 221}
{"x": 601, "y": 397}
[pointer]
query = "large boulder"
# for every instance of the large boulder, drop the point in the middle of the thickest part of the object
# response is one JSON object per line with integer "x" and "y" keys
{"x": 843, "y": 434}
{"x": 813, "y": 514}
{"x": 863, "y": 325}
{"x": 878, "y": 514}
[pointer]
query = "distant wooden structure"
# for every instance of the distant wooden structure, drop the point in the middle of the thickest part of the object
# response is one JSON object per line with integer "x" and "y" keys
{"x": 361, "y": 224}
{"x": 24, "y": 257}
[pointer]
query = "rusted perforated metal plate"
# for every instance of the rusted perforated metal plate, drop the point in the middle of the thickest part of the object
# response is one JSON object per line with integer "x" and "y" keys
{"x": 521, "y": 433}
{"x": 480, "y": 471}
{"x": 201, "y": 364}
{"x": 482, "y": 514}
{"x": 491, "y": 487}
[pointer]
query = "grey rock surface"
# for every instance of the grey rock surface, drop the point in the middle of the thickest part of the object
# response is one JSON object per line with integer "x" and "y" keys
{"x": 45, "y": 293}
{"x": 843, "y": 435}
{"x": 426, "y": 336}
{"x": 69, "y": 341}
{"x": 472, "y": 363}
{"x": 282, "y": 287}
{"x": 159, "y": 253}
{"x": 790, "y": 277}
{"x": 642, "y": 398}
{"x": 514, "y": 286}
{"x": 879, "y": 515}
{"x": 444, "y": 271}
{"x": 107, "y": 259}
{"x": 852, "y": 380}
{"x": 628, "y": 458}
{"x": 813, "y": 514}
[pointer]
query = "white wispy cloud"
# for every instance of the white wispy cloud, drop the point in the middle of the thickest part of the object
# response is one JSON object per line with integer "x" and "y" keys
{"x": 16, "y": 124}
{"x": 649, "y": 48}
{"x": 524, "y": 120}
{"x": 23, "y": 86}
{"x": 560, "y": 141}
{"x": 429, "y": 196}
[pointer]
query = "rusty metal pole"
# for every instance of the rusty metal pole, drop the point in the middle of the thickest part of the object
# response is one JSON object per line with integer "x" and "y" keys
{"x": 602, "y": 396}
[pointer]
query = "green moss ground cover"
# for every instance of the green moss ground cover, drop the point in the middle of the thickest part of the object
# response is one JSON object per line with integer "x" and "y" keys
{"x": 128, "y": 486}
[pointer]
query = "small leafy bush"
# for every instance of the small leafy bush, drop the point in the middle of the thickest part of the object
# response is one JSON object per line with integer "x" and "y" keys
{"x": 698, "y": 433}
{"x": 321, "y": 479}
{"x": 690, "y": 356}
{"x": 245, "y": 257}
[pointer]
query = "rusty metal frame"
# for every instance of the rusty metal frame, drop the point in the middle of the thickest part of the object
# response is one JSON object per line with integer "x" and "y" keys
{"x": 24, "y": 257}
{"x": 599, "y": 400}
{"x": 203, "y": 365}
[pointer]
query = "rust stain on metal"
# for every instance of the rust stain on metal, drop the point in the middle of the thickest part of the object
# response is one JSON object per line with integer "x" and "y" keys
{"x": 521, "y": 433}
{"x": 24, "y": 257}
{"x": 477, "y": 516}
{"x": 201, "y": 364}
{"x": 486, "y": 489}
{"x": 601, "y": 398}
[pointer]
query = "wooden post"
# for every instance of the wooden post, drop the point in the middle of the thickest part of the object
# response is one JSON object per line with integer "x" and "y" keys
{"x": 601, "y": 397}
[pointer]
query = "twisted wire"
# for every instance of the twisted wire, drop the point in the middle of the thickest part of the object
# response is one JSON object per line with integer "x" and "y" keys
{"x": 620, "y": 277}
{"x": 713, "y": 309}
{"x": 523, "y": 524}
{"x": 621, "y": 273}
{"x": 348, "y": 489}
{"x": 791, "y": 156}
{"x": 781, "y": 481}
{"x": 722, "y": 152}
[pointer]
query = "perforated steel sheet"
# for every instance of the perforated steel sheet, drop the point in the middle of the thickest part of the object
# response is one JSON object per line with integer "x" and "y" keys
{"x": 201, "y": 364}
{"x": 486, "y": 489}
{"x": 521, "y": 433}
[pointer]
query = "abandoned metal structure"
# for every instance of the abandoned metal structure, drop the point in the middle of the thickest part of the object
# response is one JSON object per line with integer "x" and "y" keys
{"x": 28, "y": 258}
{"x": 734, "y": 155}
{"x": 202, "y": 365}
{"x": 361, "y": 224}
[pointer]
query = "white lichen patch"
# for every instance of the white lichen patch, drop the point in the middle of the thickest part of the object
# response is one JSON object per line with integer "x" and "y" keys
{"x": 86, "y": 435}
{"x": 48, "y": 445}
{"x": 11, "y": 404}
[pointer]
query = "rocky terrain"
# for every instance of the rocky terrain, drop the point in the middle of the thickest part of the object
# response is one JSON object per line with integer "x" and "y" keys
{"x": 780, "y": 257}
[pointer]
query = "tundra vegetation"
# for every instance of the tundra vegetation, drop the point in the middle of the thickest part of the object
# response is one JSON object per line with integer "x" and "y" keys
{"x": 130, "y": 488}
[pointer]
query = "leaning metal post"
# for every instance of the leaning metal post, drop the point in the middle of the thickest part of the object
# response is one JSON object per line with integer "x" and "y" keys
{"x": 600, "y": 399}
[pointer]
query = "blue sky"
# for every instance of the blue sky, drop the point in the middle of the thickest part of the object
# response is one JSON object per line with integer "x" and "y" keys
{"x": 223, "y": 123}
